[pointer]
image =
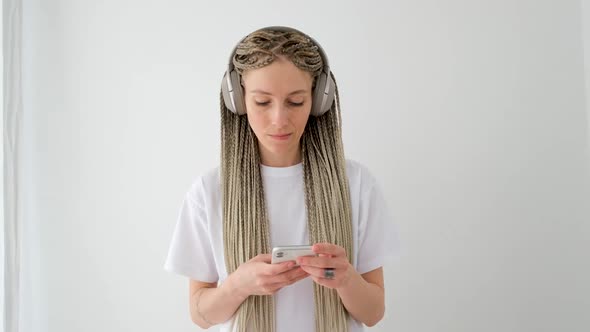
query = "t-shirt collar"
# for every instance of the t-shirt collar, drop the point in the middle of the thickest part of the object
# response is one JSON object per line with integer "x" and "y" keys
{"x": 270, "y": 171}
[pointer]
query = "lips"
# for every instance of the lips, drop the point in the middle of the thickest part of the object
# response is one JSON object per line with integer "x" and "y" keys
{"x": 280, "y": 137}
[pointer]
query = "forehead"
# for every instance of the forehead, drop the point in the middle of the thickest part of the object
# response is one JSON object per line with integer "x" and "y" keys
{"x": 278, "y": 78}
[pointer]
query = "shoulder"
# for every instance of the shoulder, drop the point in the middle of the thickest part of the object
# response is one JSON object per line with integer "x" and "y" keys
{"x": 359, "y": 174}
{"x": 205, "y": 185}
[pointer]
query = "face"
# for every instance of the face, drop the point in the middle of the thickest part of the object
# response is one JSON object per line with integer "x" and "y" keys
{"x": 278, "y": 103}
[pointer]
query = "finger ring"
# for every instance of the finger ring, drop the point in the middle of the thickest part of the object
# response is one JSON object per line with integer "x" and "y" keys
{"x": 329, "y": 273}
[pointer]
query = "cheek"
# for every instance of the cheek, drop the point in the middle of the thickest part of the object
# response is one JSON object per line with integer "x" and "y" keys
{"x": 257, "y": 123}
{"x": 301, "y": 122}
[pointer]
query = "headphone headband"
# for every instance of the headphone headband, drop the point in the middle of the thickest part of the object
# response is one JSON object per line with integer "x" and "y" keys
{"x": 283, "y": 29}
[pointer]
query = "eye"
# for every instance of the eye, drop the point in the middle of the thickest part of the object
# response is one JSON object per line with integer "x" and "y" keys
{"x": 268, "y": 102}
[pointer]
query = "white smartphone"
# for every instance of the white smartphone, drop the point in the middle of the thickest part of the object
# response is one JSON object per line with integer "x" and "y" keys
{"x": 290, "y": 253}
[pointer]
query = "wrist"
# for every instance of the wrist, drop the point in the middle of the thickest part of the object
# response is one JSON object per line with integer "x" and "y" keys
{"x": 349, "y": 278}
{"x": 233, "y": 290}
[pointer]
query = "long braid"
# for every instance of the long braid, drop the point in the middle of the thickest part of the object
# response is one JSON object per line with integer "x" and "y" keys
{"x": 244, "y": 215}
{"x": 328, "y": 205}
{"x": 246, "y": 230}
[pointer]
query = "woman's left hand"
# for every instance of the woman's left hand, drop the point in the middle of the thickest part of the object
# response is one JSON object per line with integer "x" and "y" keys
{"x": 330, "y": 256}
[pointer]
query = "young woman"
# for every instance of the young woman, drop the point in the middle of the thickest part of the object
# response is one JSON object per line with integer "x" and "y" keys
{"x": 283, "y": 180}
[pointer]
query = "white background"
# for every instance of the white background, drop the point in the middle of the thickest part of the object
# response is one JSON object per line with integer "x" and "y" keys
{"x": 472, "y": 114}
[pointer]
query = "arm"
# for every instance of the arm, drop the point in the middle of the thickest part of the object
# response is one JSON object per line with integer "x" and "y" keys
{"x": 363, "y": 296}
{"x": 211, "y": 305}
{"x": 215, "y": 304}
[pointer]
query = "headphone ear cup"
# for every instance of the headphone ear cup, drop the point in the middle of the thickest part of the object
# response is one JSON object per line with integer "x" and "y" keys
{"x": 323, "y": 94}
{"x": 318, "y": 95}
{"x": 331, "y": 93}
{"x": 238, "y": 93}
{"x": 226, "y": 94}
{"x": 233, "y": 93}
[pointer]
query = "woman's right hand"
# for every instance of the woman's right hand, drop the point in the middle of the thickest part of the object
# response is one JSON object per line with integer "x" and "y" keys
{"x": 259, "y": 277}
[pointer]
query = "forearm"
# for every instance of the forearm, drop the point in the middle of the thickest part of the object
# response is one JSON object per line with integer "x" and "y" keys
{"x": 212, "y": 306}
{"x": 363, "y": 300}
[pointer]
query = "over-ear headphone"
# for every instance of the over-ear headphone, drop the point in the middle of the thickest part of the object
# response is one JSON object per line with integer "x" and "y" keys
{"x": 323, "y": 94}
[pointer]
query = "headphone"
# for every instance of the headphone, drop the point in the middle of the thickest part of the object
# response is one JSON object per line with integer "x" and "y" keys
{"x": 322, "y": 96}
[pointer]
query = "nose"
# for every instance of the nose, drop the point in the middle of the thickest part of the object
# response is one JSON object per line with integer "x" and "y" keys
{"x": 280, "y": 116}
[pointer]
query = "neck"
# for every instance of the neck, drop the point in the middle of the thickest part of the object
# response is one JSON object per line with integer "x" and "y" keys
{"x": 283, "y": 160}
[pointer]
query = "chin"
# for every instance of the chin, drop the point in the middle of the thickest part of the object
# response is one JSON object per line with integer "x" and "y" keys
{"x": 278, "y": 148}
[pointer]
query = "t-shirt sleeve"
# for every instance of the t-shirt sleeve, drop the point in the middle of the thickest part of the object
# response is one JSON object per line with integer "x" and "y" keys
{"x": 190, "y": 253}
{"x": 378, "y": 236}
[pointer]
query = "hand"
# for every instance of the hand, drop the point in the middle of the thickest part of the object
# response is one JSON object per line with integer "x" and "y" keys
{"x": 330, "y": 256}
{"x": 258, "y": 277}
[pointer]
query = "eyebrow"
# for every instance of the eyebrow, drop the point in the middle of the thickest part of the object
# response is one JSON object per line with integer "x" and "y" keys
{"x": 268, "y": 93}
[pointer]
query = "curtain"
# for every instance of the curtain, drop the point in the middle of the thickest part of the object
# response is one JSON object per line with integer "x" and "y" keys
{"x": 12, "y": 133}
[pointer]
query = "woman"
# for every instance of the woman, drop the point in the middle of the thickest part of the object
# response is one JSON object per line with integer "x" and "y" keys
{"x": 283, "y": 180}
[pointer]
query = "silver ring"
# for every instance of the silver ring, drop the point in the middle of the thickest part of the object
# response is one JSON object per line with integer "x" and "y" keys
{"x": 329, "y": 273}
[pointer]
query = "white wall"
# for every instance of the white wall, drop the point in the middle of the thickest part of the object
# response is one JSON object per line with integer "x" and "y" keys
{"x": 2, "y": 212}
{"x": 471, "y": 113}
{"x": 586, "y": 40}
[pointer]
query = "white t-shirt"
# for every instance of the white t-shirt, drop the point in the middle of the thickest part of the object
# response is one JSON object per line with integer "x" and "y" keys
{"x": 196, "y": 250}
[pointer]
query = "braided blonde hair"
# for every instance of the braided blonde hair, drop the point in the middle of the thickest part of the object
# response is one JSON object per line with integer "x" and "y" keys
{"x": 245, "y": 222}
